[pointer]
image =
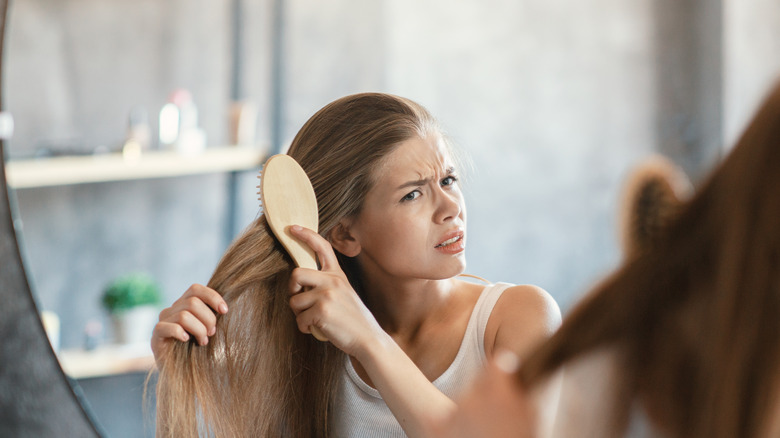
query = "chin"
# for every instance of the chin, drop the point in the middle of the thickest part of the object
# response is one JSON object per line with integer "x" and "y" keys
{"x": 455, "y": 269}
{"x": 440, "y": 270}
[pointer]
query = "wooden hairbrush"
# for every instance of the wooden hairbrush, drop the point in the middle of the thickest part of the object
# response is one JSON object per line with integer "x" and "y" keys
{"x": 287, "y": 199}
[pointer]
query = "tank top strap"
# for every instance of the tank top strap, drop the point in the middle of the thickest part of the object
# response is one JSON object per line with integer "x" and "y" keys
{"x": 484, "y": 308}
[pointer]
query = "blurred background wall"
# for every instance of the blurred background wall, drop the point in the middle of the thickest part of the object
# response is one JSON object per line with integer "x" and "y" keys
{"x": 553, "y": 100}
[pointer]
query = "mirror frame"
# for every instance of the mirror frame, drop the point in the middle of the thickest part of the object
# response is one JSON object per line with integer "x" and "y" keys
{"x": 36, "y": 397}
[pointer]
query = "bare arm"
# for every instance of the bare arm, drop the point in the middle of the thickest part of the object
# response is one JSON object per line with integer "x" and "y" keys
{"x": 523, "y": 317}
{"x": 411, "y": 397}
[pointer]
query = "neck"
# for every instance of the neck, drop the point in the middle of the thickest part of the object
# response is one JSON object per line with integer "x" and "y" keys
{"x": 403, "y": 306}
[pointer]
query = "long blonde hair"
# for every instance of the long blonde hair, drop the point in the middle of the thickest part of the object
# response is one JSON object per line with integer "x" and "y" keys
{"x": 260, "y": 376}
{"x": 695, "y": 319}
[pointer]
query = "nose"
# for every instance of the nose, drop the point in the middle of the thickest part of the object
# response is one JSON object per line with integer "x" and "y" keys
{"x": 449, "y": 206}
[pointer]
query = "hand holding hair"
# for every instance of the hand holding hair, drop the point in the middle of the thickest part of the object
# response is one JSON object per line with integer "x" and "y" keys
{"x": 194, "y": 314}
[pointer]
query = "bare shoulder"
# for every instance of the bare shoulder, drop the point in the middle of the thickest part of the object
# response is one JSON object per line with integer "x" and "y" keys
{"x": 524, "y": 316}
{"x": 532, "y": 302}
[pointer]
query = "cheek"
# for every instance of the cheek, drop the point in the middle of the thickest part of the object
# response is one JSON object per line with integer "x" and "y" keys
{"x": 406, "y": 235}
{"x": 398, "y": 237}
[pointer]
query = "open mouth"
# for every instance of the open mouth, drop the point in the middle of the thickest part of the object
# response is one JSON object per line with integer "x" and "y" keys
{"x": 450, "y": 241}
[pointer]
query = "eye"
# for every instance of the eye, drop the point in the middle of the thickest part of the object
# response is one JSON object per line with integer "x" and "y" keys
{"x": 450, "y": 180}
{"x": 411, "y": 196}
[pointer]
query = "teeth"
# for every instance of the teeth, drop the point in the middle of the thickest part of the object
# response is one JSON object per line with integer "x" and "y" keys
{"x": 448, "y": 242}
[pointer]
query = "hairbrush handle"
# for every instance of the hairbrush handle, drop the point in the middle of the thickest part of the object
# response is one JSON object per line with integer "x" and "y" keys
{"x": 288, "y": 199}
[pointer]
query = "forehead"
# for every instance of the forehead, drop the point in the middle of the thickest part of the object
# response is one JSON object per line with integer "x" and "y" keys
{"x": 418, "y": 157}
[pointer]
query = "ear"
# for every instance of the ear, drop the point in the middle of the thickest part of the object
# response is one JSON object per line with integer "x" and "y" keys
{"x": 342, "y": 239}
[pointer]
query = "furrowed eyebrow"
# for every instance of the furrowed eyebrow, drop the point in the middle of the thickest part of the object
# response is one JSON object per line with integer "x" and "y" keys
{"x": 421, "y": 182}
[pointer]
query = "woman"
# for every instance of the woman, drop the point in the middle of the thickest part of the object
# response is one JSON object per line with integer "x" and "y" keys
{"x": 405, "y": 334}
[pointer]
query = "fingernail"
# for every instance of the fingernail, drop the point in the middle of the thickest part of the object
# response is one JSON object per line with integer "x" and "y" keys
{"x": 204, "y": 341}
{"x": 185, "y": 337}
{"x": 507, "y": 361}
{"x": 223, "y": 308}
{"x": 297, "y": 228}
{"x": 212, "y": 331}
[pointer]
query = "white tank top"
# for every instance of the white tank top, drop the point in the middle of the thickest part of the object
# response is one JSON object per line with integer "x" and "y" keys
{"x": 360, "y": 411}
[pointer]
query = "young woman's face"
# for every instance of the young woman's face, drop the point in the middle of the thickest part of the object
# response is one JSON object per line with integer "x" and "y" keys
{"x": 413, "y": 220}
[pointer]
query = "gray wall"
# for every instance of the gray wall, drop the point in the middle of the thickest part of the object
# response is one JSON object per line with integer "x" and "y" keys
{"x": 751, "y": 58}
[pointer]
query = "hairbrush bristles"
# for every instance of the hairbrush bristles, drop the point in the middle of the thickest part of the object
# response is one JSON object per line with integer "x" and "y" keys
{"x": 259, "y": 187}
{"x": 260, "y": 181}
{"x": 653, "y": 195}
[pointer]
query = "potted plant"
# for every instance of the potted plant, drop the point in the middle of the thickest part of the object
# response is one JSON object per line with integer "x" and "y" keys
{"x": 133, "y": 301}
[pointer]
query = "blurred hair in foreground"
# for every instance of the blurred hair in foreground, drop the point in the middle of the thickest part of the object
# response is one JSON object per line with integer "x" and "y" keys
{"x": 693, "y": 320}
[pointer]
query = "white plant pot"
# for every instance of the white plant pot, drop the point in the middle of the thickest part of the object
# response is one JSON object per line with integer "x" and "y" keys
{"x": 135, "y": 325}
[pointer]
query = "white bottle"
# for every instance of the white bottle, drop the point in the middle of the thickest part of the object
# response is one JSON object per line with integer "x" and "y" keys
{"x": 179, "y": 124}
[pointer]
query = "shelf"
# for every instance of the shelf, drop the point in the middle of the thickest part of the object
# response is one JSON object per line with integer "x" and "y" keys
{"x": 106, "y": 360}
{"x": 58, "y": 171}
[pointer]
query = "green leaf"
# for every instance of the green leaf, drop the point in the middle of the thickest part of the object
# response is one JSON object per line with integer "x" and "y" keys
{"x": 130, "y": 291}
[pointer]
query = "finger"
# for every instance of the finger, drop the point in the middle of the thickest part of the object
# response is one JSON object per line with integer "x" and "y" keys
{"x": 302, "y": 301}
{"x": 205, "y": 294}
{"x": 294, "y": 284}
{"x": 208, "y": 296}
{"x": 302, "y": 279}
{"x": 196, "y": 307}
{"x": 192, "y": 325}
{"x": 203, "y": 313}
{"x": 163, "y": 336}
{"x": 312, "y": 319}
{"x": 319, "y": 245}
{"x": 165, "y": 313}
{"x": 168, "y": 330}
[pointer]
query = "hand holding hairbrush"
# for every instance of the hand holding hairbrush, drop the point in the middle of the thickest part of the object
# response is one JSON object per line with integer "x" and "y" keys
{"x": 288, "y": 199}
